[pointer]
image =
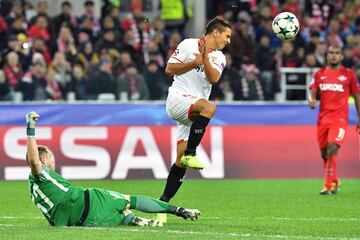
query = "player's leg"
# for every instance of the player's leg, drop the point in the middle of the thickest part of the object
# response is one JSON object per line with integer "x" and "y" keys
{"x": 152, "y": 205}
{"x": 201, "y": 113}
{"x": 322, "y": 135}
{"x": 336, "y": 137}
{"x": 176, "y": 175}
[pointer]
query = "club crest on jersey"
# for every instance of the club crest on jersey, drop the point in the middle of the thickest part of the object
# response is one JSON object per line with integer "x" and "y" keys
{"x": 331, "y": 87}
{"x": 342, "y": 78}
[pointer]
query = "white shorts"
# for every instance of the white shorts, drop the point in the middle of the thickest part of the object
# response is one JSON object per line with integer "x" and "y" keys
{"x": 178, "y": 108}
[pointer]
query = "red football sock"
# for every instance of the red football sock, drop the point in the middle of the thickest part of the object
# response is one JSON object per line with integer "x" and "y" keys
{"x": 329, "y": 173}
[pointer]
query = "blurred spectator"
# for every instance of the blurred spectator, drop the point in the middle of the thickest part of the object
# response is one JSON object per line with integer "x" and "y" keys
{"x": 38, "y": 46}
{"x": 40, "y": 29}
{"x": 289, "y": 56}
{"x": 130, "y": 22}
{"x": 13, "y": 71}
{"x": 264, "y": 59}
{"x": 174, "y": 41}
{"x": 66, "y": 44}
{"x": 108, "y": 42}
{"x": 333, "y": 34}
{"x": 153, "y": 53}
{"x": 102, "y": 79}
{"x": 52, "y": 88}
{"x": 314, "y": 40}
{"x": 156, "y": 81}
{"x": 242, "y": 39}
{"x": 125, "y": 60}
{"x": 5, "y": 93}
{"x": 3, "y": 31}
{"x": 61, "y": 72}
{"x": 175, "y": 14}
{"x": 65, "y": 18}
{"x": 41, "y": 10}
{"x": 88, "y": 57}
{"x": 349, "y": 60}
{"x": 85, "y": 31}
{"x": 250, "y": 81}
{"x": 79, "y": 82}
{"x": 320, "y": 52}
{"x": 310, "y": 61}
{"x": 89, "y": 9}
{"x": 320, "y": 11}
{"x": 15, "y": 12}
{"x": 18, "y": 26}
{"x": 33, "y": 84}
{"x": 133, "y": 84}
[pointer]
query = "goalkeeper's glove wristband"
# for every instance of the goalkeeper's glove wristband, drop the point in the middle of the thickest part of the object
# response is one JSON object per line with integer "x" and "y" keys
{"x": 30, "y": 132}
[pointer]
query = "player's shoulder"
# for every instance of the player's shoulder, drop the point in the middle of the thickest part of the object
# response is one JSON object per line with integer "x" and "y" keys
{"x": 320, "y": 71}
{"x": 189, "y": 41}
{"x": 346, "y": 70}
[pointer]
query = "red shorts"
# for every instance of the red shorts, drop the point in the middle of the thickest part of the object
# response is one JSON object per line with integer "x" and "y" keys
{"x": 334, "y": 133}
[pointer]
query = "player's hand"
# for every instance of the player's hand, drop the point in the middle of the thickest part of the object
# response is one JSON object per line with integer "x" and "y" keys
{"x": 31, "y": 119}
{"x": 204, "y": 51}
{"x": 312, "y": 103}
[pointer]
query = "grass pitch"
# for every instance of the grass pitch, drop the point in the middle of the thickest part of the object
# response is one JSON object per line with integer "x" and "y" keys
{"x": 231, "y": 209}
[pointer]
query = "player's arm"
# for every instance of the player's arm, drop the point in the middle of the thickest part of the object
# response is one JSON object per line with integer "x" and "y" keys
{"x": 177, "y": 63}
{"x": 357, "y": 106}
{"x": 312, "y": 98}
{"x": 211, "y": 73}
{"x": 180, "y": 68}
{"x": 32, "y": 153}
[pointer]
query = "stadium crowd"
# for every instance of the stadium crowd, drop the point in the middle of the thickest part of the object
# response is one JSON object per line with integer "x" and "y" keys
{"x": 124, "y": 54}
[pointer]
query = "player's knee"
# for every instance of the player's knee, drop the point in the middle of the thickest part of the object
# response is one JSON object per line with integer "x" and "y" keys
{"x": 332, "y": 149}
{"x": 210, "y": 107}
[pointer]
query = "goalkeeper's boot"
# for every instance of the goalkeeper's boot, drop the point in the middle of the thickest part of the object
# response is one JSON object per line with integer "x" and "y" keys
{"x": 325, "y": 190}
{"x": 139, "y": 221}
{"x": 191, "y": 161}
{"x": 188, "y": 214}
{"x": 162, "y": 217}
{"x": 335, "y": 187}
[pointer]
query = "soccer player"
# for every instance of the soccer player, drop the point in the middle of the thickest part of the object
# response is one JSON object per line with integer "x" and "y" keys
{"x": 334, "y": 84}
{"x": 196, "y": 64}
{"x": 65, "y": 205}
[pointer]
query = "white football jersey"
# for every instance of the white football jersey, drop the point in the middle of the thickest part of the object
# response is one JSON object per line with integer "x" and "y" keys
{"x": 194, "y": 81}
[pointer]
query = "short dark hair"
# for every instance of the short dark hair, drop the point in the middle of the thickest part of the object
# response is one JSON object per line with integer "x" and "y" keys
{"x": 216, "y": 23}
{"x": 66, "y": 3}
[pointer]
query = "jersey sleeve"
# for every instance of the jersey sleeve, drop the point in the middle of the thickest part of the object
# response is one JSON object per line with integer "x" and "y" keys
{"x": 314, "y": 81}
{"x": 354, "y": 83}
{"x": 219, "y": 63}
{"x": 180, "y": 53}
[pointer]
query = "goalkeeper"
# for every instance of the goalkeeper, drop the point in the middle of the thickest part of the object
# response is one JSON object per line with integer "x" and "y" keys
{"x": 65, "y": 205}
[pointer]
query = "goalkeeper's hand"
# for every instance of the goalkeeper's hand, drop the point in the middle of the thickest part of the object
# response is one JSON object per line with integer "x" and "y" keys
{"x": 31, "y": 119}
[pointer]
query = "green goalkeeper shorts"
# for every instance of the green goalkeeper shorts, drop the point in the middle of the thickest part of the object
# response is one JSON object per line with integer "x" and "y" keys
{"x": 106, "y": 208}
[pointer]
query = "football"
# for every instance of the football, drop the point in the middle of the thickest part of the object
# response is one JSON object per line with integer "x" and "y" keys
{"x": 286, "y": 26}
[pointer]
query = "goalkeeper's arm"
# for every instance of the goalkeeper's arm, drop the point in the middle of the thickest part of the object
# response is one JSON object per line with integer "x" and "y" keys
{"x": 32, "y": 153}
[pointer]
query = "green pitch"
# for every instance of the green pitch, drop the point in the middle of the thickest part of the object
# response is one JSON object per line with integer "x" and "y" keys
{"x": 231, "y": 209}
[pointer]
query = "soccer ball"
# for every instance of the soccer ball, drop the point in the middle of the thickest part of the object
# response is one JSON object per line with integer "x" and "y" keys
{"x": 286, "y": 26}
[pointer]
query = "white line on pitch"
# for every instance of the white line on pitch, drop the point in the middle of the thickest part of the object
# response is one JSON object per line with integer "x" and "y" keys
{"x": 286, "y": 218}
{"x": 240, "y": 217}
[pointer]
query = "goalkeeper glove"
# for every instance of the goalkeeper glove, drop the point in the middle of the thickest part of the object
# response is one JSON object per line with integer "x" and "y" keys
{"x": 31, "y": 119}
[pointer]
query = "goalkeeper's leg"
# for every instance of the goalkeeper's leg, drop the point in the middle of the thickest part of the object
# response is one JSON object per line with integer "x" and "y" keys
{"x": 151, "y": 205}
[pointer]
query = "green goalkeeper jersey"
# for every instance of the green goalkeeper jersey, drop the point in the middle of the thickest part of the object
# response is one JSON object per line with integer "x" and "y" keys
{"x": 61, "y": 203}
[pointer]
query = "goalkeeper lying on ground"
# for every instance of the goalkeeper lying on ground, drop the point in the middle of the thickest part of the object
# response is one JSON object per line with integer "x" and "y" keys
{"x": 65, "y": 205}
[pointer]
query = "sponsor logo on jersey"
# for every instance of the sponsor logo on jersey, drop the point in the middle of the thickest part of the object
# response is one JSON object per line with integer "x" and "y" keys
{"x": 331, "y": 87}
{"x": 342, "y": 78}
{"x": 323, "y": 77}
